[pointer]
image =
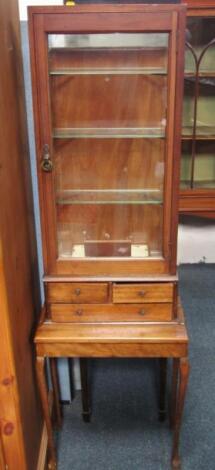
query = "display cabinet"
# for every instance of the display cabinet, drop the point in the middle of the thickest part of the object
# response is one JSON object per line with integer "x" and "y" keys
{"x": 197, "y": 194}
{"x": 108, "y": 141}
{"x": 107, "y": 85}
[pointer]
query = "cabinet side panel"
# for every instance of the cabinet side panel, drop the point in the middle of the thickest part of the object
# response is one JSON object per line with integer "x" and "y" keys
{"x": 18, "y": 253}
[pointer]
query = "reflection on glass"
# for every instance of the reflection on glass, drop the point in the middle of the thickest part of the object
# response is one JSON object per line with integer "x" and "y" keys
{"x": 109, "y": 142}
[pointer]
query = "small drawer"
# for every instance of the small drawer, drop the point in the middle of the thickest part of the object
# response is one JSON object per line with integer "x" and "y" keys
{"x": 111, "y": 313}
{"x": 65, "y": 292}
{"x": 142, "y": 293}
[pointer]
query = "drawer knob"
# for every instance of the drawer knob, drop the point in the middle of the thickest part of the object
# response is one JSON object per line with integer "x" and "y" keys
{"x": 142, "y": 312}
{"x": 142, "y": 293}
{"x": 77, "y": 291}
{"x": 79, "y": 313}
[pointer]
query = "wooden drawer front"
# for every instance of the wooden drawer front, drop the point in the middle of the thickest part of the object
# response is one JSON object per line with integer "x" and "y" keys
{"x": 65, "y": 292}
{"x": 142, "y": 293}
{"x": 111, "y": 313}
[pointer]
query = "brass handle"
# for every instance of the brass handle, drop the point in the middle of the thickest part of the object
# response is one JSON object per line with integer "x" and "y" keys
{"x": 77, "y": 291}
{"x": 141, "y": 293}
{"x": 142, "y": 312}
{"x": 79, "y": 313}
{"x": 46, "y": 163}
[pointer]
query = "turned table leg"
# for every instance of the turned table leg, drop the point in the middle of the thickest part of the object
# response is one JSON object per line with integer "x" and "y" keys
{"x": 162, "y": 389}
{"x": 41, "y": 378}
{"x": 56, "y": 390}
{"x": 85, "y": 390}
{"x": 181, "y": 366}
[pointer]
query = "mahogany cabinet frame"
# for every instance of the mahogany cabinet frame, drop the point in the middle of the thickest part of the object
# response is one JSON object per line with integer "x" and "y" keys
{"x": 108, "y": 18}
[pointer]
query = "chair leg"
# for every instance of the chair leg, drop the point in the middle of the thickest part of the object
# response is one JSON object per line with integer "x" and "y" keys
{"x": 183, "y": 381}
{"x": 86, "y": 413}
{"x": 41, "y": 378}
{"x": 162, "y": 391}
{"x": 56, "y": 390}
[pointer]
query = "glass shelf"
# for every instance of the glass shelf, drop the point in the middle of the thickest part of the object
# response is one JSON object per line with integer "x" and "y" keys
{"x": 185, "y": 184}
{"x": 127, "y": 132}
{"x": 202, "y": 133}
{"x": 110, "y": 196}
{"x": 110, "y": 71}
{"x": 204, "y": 184}
{"x": 202, "y": 74}
{"x": 198, "y": 184}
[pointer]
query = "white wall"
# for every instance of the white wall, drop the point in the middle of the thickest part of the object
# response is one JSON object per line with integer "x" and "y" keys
{"x": 24, "y": 3}
{"x": 196, "y": 241}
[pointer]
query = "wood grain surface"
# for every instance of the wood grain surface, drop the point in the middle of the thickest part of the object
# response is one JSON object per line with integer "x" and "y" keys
{"x": 20, "y": 413}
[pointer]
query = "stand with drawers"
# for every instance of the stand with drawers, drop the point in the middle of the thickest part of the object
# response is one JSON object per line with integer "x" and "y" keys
{"x": 102, "y": 340}
{"x": 110, "y": 301}
{"x": 107, "y": 88}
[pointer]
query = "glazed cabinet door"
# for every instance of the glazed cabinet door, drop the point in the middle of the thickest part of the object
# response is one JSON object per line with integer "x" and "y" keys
{"x": 198, "y": 140}
{"x": 107, "y": 100}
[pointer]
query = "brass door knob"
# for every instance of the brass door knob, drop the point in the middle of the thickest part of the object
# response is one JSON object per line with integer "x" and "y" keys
{"x": 46, "y": 163}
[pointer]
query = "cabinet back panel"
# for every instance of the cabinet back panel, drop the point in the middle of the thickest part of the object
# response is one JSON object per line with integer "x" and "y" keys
{"x": 108, "y": 163}
{"x": 138, "y": 224}
{"x": 108, "y": 101}
{"x": 60, "y": 58}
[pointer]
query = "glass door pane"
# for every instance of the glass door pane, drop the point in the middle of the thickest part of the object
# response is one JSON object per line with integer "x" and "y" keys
{"x": 108, "y": 100}
{"x": 205, "y": 119}
{"x": 204, "y": 165}
{"x": 186, "y": 164}
{"x": 188, "y": 108}
{"x": 204, "y": 174}
{"x": 198, "y": 136}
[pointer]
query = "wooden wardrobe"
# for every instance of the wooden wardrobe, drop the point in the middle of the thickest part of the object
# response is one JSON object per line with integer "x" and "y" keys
{"x": 22, "y": 435}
